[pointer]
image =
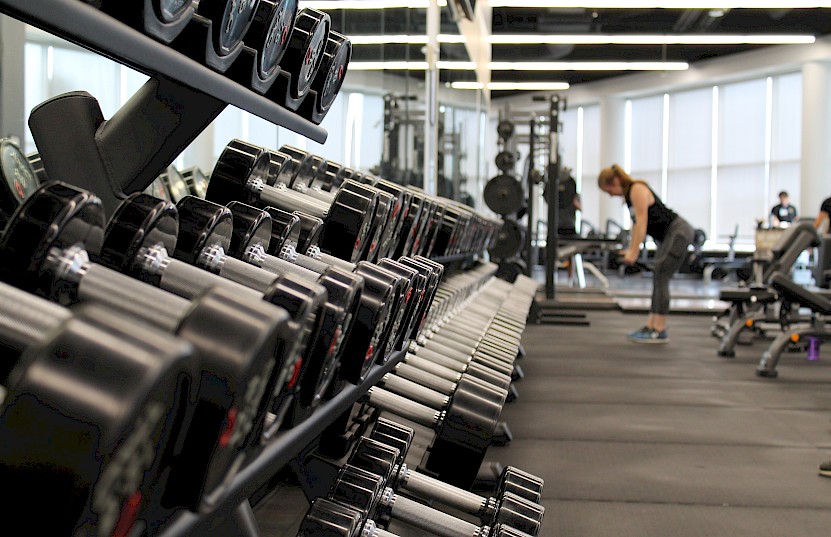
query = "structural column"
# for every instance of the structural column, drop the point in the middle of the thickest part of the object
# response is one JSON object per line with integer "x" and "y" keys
{"x": 816, "y": 131}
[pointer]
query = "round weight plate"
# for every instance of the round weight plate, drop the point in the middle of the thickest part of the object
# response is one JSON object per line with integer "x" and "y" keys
{"x": 329, "y": 78}
{"x": 505, "y": 160}
{"x": 56, "y": 215}
{"x": 309, "y": 230}
{"x": 398, "y": 287}
{"x": 509, "y": 240}
{"x": 19, "y": 179}
{"x": 326, "y": 518}
{"x": 269, "y": 34}
{"x": 305, "y": 50}
{"x": 504, "y": 195}
{"x": 231, "y": 19}
{"x": 505, "y": 129}
{"x": 347, "y": 225}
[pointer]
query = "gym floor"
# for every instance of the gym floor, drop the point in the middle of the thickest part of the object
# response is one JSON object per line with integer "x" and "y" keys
{"x": 664, "y": 440}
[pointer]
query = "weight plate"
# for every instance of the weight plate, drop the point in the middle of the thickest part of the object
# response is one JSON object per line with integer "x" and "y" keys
{"x": 251, "y": 228}
{"x": 505, "y": 160}
{"x": 231, "y": 19}
{"x": 239, "y": 163}
{"x": 504, "y": 195}
{"x": 511, "y": 270}
{"x": 19, "y": 179}
{"x": 505, "y": 129}
{"x": 285, "y": 229}
{"x": 305, "y": 50}
{"x": 509, "y": 240}
{"x": 269, "y": 34}
{"x": 333, "y": 67}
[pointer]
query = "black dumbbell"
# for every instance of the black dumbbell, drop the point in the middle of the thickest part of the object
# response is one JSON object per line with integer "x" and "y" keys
{"x": 371, "y": 332}
{"x": 92, "y": 404}
{"x": 328, "y": 518}
{"x": 162, "y": 253}
{"x": 515, "y": 503}
{"x": 464, "y": 427}
{"x": 373, "y": 494}
{"x": 45, "y": 249}
{"x": 241, "y": 174}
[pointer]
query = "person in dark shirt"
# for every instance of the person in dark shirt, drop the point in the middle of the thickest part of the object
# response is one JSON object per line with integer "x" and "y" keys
{"x": 568, "y": 203}
{"x": 672, "y": 233}
{"x": 783, "y": 212}
{"x": 824, "y": 215}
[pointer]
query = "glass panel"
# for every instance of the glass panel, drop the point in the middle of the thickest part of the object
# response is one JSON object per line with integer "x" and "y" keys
{"x": 740, "y": 194}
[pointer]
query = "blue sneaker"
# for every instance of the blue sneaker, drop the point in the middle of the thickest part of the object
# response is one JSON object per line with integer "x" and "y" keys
{"x": 651, "y": 336}
{"x": 638, "y": 333}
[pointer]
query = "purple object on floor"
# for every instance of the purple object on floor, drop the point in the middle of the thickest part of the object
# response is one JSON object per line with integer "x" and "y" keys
{"x": 813, "y": 348}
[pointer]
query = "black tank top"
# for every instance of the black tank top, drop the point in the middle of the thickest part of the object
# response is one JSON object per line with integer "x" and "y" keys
{"x": 659, "y": 216}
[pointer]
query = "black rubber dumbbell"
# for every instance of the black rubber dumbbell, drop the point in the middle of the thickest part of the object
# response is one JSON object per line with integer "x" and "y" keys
{"x": 241, "y": 175}
{"x": 328, "y": 518}
{"x": 163, "y": 252}
{"x": 92, "y": 404}
{"x": 303, "y": 58}
{"x": 196, "y": 180}
{"x": 372, "y": 494}
{"x": 46, "y": 248}
{"x": 515, "y": 503}
{"x": 371, "y": 332}
{"x": 329, "y": 78}
{"x": 464, "y": 426}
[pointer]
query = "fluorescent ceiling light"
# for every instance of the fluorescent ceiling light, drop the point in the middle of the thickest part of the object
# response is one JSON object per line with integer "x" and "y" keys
{"x": 689, "y": 39}
{"x": 665, "y": 4}
{"x": 328, "y": 5}
{"x": 409, "y": 66}
{"x": 402, "y": 39}
{"x": 497, "y": 86}
{"x": 522, "y": 66}
{"x": 588, "y": 66}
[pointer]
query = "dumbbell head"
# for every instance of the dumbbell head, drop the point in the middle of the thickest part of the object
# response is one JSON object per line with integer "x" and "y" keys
{"x": 250, "y": 228}
{"x": 56, "y": 215}
{"x": 285, "y": 229}
{"x": 230, "y": 22}
{"x": 395, "y": 435}
{"x": 521, "y": 483}
{"x": 204, "y": 224}
{"x": 399, "y": 287}
{"x": 375, "y": 457}
{"x": 329, "y": 79}
{"x": 518, "y": 513}
{"x": 305, "y": 50}
{"x": 239, "y": 163}
{"x": 60, "y": 444}
{"x": 358, "y": 488}
{"x": 20, "y": 179}
{"x": 269, "y": 34}
{"x": 309, "y": 231}
{"x": 412, "y": 300}
{"x": 327, "y": 518}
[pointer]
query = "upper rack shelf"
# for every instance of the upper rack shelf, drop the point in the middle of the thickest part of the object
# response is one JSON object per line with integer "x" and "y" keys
{"x": 84, "y": 25}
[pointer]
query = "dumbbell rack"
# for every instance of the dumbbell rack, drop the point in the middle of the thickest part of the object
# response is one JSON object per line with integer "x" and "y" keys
{"x": 199, "y": 93}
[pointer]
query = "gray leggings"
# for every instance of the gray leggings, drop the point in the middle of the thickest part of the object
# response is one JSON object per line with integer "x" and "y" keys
{"x": 668, "y": 259}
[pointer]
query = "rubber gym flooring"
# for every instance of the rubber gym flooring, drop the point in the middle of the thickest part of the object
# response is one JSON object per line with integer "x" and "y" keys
{"x": 669, "y": 440}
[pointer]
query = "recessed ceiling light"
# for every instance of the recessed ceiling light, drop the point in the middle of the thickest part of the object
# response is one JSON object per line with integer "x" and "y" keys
{"x": 665, "y": 4}
{"x": 588, "y": 66}
{"x": 626, "y": 39}
{"x": 328, "y": 5}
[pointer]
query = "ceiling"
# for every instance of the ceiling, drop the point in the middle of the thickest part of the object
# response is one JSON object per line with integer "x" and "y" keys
{"x": 525, "y": 21}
